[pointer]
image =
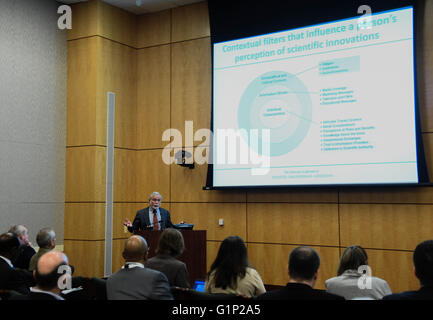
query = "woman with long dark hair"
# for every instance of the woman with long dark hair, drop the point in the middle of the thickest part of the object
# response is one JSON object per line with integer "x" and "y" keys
{"x": 231, "y": 271}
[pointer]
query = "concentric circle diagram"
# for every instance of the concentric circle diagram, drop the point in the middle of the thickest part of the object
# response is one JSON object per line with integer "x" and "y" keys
{"x": 280, "y": 102}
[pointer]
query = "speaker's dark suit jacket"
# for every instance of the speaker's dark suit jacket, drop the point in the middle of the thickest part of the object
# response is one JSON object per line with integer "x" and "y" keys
{"x": 298, "y": 291}
{"x": 142, "y": 222}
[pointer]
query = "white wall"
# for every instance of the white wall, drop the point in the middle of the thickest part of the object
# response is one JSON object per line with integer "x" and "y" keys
{"x": 32, "y": 116}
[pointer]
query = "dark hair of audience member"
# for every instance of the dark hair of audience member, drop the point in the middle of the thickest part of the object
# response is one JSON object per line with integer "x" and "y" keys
{"x": 303, "y": 263}
{"x": 423, "y": 262}
{"x": 352, "y": 258}
{"x": 231, "y": 262}
{"x": 10, "y": 245}
{"x": 171, "y": 243}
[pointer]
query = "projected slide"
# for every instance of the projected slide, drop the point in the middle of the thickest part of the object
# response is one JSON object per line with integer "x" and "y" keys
{"x": 328, "y": 104}
{"x": 280, "y": 102}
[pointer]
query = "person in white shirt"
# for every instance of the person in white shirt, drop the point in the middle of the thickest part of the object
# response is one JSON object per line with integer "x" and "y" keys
{"x": 354, "y": 279}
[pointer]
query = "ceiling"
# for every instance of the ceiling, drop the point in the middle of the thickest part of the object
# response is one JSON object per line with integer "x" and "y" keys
{"x": 145, "y": 7}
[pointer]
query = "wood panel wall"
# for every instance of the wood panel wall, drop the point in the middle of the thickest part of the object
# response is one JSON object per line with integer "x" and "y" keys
{"x": 101, "y": 58}
{"x": 162, "y": 77}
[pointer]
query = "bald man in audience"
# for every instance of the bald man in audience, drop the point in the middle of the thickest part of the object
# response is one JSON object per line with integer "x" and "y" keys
{"x": 48, "y": 273}
{"x": 134, "y": 281}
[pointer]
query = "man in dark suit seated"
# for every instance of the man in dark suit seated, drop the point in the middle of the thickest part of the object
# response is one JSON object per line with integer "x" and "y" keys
{"x": 48, "y": 275}
{"x": 134, "y": 281}
{"x": 27, "y": 251}
{"x": 10, "y": 277}
{"x": 423, "y": 263}
{"x": 153, "y": 217}
{"x": 304, "y": 264}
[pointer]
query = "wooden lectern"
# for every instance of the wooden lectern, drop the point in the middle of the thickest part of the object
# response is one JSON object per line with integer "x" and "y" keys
{"x": 194, "y": 255}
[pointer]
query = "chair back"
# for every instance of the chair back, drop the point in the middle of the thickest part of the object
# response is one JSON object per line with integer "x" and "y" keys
{"x": 191, "y": 294}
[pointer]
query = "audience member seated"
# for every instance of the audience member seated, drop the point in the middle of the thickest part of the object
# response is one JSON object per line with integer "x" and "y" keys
{"x": 10, "y": 277}
{"x": 134, "y": 281}
{"x": 47, "y": 276}
{"x": 170, "y": 246}
{"x": 231, "y": 272}
{"x": 423, "y": 268}
{"x": 27, "y": 250}
{"x": 351, "y": 282}
{"x": 46, "y": 240}
{"x": 304, "y": 264}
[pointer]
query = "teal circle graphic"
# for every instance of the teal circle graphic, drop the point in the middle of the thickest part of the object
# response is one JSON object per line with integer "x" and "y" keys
{"x": 280, "y": 102}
